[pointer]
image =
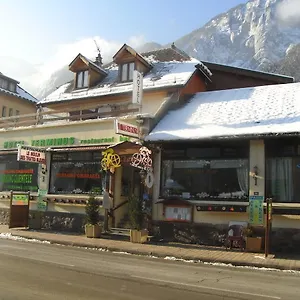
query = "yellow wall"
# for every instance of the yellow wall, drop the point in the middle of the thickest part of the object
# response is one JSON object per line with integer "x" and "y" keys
{"x": 16, "y": 103}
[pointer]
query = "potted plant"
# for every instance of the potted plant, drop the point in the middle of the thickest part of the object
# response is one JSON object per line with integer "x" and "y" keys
{"x": 92, "y": 227}
{"x": 253, "y": 243}
{"x": 135, "y": 211}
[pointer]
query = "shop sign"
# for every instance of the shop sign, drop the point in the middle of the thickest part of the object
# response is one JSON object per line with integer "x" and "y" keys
{"x": 126, "y": 129}
{"x": 256, "y": 210}
{"x": 106, "y": 140}
{"x": 12, "y": 144}
{"x": 30, "y": 154}
{"x": 19, "y": 199}
{"x": 137, "y": 91}
{"x": 53, "y": 142}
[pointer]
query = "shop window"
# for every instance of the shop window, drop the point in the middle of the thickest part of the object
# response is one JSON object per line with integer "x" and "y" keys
{"x": 183, "y": 214}
{"x": 76, "y": 173}
{"x": 17, "y": 176}
{"x": 220, "y": 179}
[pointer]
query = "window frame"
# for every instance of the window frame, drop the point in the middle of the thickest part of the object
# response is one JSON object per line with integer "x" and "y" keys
{"x": 129, "y": 71}
{"x": 4, "y": 110}
{"x": 10, "y": 112}
{"x": 82, "y": 79}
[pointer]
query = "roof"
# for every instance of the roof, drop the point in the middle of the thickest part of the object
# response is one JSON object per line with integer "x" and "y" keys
{"x": 254, "y": 111}
{"x": 9, "y": 78}
{"x": 20, "y": 93}
{"x": 276, "y": 78}
{"x": 170, "y": 69}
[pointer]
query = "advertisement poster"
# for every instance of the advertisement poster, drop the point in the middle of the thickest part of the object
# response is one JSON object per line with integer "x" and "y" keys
{"x": 41, "y": 204}
{"x": 256, "y": 210}
{"x": 20, "y": 199}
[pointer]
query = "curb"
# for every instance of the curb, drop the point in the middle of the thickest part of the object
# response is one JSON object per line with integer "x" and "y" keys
{"x": 236, "y": 263}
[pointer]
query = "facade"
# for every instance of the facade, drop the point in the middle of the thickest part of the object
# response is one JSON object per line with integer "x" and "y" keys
{"x": 219, "y": 150}
{"x": 14, "y": 101}
{"x": 77, "y": 123}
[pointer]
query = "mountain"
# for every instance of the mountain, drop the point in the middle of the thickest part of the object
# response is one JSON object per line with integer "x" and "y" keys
{"x": 261, "y": 35}
{"x": 254, "y": 35}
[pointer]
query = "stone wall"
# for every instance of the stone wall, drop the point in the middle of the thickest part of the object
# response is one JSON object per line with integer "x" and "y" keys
{"x": 283, "y": 240}
{"x": 4, "y": 216}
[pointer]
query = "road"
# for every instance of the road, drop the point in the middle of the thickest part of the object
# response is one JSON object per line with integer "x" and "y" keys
{"x": 39, "y": 271}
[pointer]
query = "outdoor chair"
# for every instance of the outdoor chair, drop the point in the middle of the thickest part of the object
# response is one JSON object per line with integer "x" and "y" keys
{"x": 235, "y": 237}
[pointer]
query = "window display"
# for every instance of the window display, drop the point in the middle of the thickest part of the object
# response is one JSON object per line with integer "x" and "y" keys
{"x": 17, "y": 176}
{"x": 75, "y": 173}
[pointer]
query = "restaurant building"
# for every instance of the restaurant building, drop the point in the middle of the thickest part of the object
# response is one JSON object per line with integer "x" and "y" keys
{"x": 221, "y": 149}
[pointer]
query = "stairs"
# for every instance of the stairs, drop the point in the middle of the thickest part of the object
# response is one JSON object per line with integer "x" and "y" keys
{"x": 120, "y": 233}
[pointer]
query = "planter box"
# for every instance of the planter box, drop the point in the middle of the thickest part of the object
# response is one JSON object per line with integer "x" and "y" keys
{"x": 138, "y": 236}
{"x": 93, "y": 231}
{"x": 253, "y": 244}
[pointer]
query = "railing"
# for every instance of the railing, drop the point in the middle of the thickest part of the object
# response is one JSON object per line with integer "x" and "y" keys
{"x": 73, "y": 114}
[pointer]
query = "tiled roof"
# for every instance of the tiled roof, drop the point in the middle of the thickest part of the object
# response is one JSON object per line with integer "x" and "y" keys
{"x": 262, "y": 110}
{"x": 170, "y": 69}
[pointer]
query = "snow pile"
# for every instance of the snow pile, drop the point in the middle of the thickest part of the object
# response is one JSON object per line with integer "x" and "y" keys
{"x": 9, "y": 236}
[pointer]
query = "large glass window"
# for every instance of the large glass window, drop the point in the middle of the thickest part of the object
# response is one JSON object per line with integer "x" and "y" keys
{"x": 283, "y": 170}
{"x": 17, "y": 176}
{"x": 206, "y": 178}
{"x": 75, "y": 173}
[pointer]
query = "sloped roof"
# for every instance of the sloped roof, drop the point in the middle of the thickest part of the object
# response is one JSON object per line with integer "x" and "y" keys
{"x": 170, "y": 69}
{"x": 20, "y": 93}
{"x": 262, "y": 110}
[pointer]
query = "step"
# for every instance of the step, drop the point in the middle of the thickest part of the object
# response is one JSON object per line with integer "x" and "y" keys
{"x": 120, "y": 231}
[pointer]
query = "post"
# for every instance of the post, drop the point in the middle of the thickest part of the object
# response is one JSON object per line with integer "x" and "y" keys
{"x": 268, "y": 225}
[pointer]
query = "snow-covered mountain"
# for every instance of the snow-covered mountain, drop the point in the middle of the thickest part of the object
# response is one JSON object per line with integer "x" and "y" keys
{"x": 261, "y": 34}
{"x": 253, "y": 35}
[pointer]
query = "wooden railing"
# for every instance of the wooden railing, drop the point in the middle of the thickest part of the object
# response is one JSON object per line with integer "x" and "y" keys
{"x": 73, "y": 114}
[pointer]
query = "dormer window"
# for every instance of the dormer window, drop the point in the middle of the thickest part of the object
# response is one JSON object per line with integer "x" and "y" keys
{"x": 127, "y": 71}
{"x": 82, "y": 79}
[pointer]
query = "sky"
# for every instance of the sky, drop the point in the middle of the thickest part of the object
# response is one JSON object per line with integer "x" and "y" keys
{"x": 36, "y": 30}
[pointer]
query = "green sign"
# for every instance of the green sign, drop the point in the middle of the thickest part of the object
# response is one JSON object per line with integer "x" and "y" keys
{"x": 12, "y": 144}
{"x": 98, "y": 141}
{"x": 53, "y": 142}
{"x": 256, "y": 210}
{"x": 41, "y": 204}
{"x": 20, "y": 199}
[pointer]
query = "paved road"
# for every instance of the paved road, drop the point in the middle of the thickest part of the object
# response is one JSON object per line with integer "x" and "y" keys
{"x": 39, "y": 271}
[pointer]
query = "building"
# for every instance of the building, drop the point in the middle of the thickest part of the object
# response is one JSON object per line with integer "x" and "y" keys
{"x": 222, "y": 148}
{"x": 14, "y": 100}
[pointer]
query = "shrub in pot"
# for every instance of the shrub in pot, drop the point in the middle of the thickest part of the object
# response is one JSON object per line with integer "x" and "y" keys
{"x": 136, "y": 216}
{"x": 253, "y": 243}
{"x": 92, "y": 227}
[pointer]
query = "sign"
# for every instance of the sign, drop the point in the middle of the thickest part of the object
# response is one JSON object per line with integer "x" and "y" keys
{"x": 126, "y": 129}
{"x": 137, "y": 91}
{"x": 41, "y": 204}
{"x": 256, "y": 210}
{"x": 19, "y": 199}
{"x": 30, "y": 154}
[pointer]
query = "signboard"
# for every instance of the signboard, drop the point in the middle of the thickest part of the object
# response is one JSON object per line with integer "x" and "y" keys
{"x": 137, "y": 91}
{"x": 19, "y": 199}
{"x": 256, "y": 210}
{"x": 41, "y": 204}
{"x": 126, "y": 129}
{"x": 30, "y": 154}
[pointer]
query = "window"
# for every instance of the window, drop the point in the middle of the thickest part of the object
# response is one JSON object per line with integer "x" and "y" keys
{"x": 3, "y": 111}
{"x": 17, "y": 112}
{"x": 10, "y": 112}
{"x": 82, "y": 79}
{"x": 127, "y": 71}
{"x": 17, "y": 176}
{"x": 12, "y": 87}
{"x": 75, "y": 172}
{"x": 173, "y": 213}
{"x": 206, "y": 179}
{"x": 283, "y": 170}
{"x": 3, "y": 83}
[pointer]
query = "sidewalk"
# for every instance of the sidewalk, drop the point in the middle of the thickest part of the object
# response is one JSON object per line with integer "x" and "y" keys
{"x": 179, "y": 251}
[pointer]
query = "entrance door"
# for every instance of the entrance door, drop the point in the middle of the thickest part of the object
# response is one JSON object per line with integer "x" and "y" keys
{"x": 19, "y": 209}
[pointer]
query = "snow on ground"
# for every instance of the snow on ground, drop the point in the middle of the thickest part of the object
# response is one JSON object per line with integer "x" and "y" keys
{"x": 9, "y": 236}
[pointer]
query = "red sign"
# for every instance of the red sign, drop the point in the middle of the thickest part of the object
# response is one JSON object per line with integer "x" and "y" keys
{"x": 126, "y": 129}
{"x": 30, "y": 154}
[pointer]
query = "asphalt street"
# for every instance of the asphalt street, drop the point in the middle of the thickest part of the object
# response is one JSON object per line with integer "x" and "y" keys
{"x": 41, "y": 271}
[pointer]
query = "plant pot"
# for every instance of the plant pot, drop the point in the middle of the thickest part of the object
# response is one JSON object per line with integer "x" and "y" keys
{"x": 138, "y": 236}
{"x": 253, "y": 244}
{"x": 93, "y": 231}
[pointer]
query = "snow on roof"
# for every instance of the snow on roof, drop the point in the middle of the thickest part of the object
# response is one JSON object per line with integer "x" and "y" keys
{"x": 163, "y": 74}
{"x": 21, "y": 93}
{"x": 272, "y": 109}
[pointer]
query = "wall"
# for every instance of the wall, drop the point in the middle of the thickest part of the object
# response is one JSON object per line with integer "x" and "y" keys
{"x": 22, "y": 105}
{"x": 195, "y": 85}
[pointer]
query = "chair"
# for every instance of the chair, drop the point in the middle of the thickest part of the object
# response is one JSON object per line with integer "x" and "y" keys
{"x": 235, "y": 237}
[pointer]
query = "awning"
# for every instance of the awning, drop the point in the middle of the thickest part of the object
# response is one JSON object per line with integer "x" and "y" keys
{"x": 75, "y": 149}
{"x": 125, "y": 148}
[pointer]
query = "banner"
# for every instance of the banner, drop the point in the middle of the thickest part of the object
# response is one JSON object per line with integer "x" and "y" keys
{"x": 256, "y": 210}
{"x": 31, "y": 154}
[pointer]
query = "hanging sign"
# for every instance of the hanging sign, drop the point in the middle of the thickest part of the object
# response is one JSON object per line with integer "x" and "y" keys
{"x": 126, "y": 129}
{"x": 256, "y": 210}
{"x": 31, "y": 154}
{"x": 110, "y": 160}
{"x": 149, "y": 180}
{"x": 137, "y": 91}
{"x": 142, "y": 159}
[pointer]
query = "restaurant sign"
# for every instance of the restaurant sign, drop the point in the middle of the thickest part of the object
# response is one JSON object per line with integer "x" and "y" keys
{"x": 126, "y": 129}
{"x": 31, "y": 154}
